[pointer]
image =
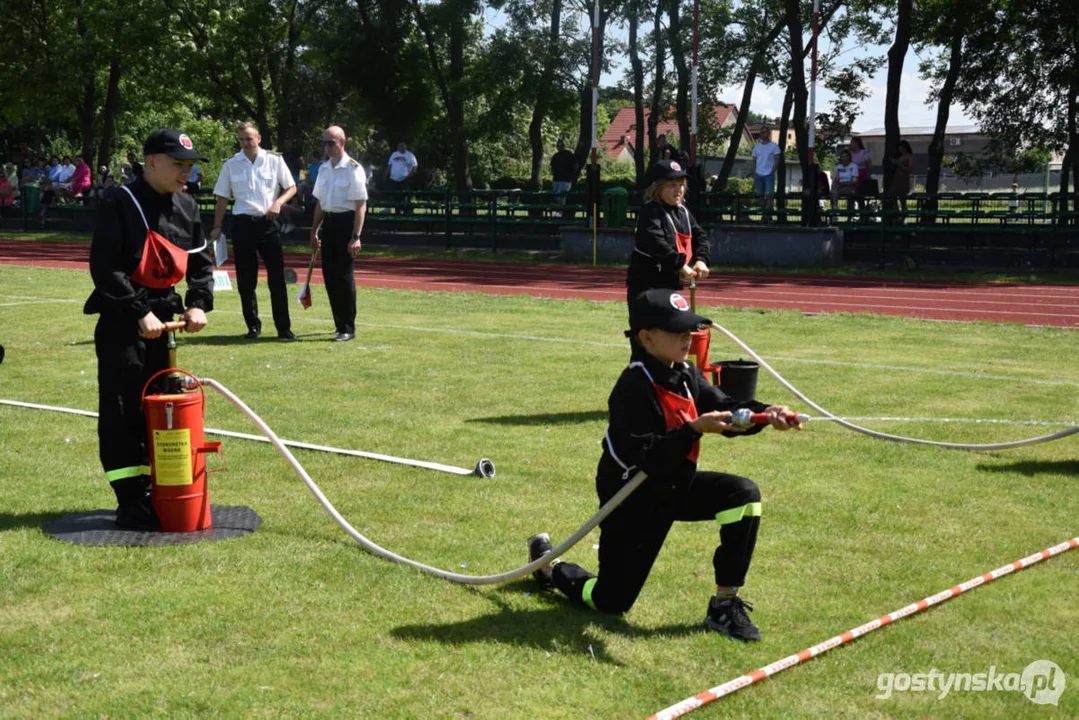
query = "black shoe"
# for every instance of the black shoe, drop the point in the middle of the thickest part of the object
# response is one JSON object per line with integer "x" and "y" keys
{"x": 137, "y": 516}
{"x": 538, "y": 546}
{"x": 286, "y": 335}
{"x": 730, "y": 618}
{"x": 253, "y": 333}
{"x": 344, "y": 337}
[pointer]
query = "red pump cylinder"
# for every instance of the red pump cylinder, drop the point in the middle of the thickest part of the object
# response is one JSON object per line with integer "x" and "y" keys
{"x": 174, "y": 426}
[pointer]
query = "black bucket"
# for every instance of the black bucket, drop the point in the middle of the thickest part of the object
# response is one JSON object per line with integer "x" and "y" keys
{"x": 738, "y": 378}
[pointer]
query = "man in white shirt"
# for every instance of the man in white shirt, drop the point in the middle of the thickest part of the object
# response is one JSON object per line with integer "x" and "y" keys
{"x": 66, "y": 171}
{"x": 341, "y": 192}
{"x": 253, "y": 177}
{"x": 401, "y": 167}
{"x": 765, "y": 153}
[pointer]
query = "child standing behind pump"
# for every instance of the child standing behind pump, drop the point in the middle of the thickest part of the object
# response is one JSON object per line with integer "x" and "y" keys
{"x": 148, "y": 238}
{"x": 669, "y": 246}
{"x": 654, "y": 426}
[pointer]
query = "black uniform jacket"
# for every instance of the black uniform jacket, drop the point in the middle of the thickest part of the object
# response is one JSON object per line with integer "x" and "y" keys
{"x": 117, "y": 248}
{"x": 638, "y": 433}
{"x": 656, "y": 262}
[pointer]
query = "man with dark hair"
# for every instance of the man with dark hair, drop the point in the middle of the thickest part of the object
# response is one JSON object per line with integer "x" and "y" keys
{"x": 254, "y": 177}
{"x": 666, "y": 151}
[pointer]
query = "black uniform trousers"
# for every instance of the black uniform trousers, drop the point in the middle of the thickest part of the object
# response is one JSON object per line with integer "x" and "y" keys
{"x": 337, "y": 268}
{"x": 253, "y": 237}
{"x": 125, "y": 361}
{"x": 631, "y": 538}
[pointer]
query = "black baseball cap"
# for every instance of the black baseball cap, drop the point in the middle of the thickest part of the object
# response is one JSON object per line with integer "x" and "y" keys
{"x": 663, "y": 309}
{"x": 171, "y": 142}
{"x": 665, "y": 170}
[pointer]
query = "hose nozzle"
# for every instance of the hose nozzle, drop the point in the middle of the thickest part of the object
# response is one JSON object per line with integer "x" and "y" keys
{"x": 745, "y": 418}
{"x": 484, "y": 468}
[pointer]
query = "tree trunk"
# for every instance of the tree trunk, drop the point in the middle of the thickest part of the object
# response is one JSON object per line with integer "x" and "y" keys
{"x": 678, "y": 55}
{"x": 286, "y": 102}
{"x": 450, "y": 88}
{"x": 781, "y": 166}
{"x": 1068, "y": 163}
{"x": 456, "y": 107}
{"x": 108, "y": 113}
{"x": 543, "y": 96}
{"x": 584, "y": 140}
{"x": 798, "y": 89}
{"x": 86, "y": 111}
{"x": 656, "y": 111}
{"x": 638, "y": 94}
{"x": 897, "y": 53}
{"x": 944, "y": 102}
{"x": 743, "y": 109}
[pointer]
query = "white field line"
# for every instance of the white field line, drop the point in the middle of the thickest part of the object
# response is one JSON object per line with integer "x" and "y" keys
{"x": 624, "y": 346}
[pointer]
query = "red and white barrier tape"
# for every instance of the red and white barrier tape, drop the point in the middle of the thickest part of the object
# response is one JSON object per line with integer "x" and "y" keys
{"x": 748, "y": 679}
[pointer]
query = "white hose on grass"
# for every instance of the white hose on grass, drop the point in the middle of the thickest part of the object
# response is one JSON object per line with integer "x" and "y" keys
{"x": 886, "y": 436}
{"x": 368, "y": 545}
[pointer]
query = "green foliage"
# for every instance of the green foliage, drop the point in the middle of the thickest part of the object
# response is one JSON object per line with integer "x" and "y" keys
{"x": 737, "y": 185}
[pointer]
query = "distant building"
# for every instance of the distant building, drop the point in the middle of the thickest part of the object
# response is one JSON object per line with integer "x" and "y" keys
{"x": 621, "y": 133}
{"x": 966, "y": 139}
{"x": 755, "y": 129}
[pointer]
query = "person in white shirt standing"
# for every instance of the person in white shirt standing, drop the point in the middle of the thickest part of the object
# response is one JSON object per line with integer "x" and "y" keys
{"x": 844, "y": 179}
{"x": 253, "y": 177}
{"x": 765, "y": 153}
{"x": 341, "y": 192}
{"x": 401, "y": 167}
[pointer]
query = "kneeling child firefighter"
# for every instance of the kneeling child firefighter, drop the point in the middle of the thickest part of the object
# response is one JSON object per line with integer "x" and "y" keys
{"x": 659, "y": 409}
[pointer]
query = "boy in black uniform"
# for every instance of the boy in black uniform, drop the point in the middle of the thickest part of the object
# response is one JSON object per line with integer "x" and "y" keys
{"x": 135, "y": 298}
{"x": 655, "y": 427}
{"x": 668, "y": 244}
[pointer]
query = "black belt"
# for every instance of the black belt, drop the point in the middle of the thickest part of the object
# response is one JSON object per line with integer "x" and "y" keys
{"x": 338, "y": 212}
{"x": 251, "y": 218}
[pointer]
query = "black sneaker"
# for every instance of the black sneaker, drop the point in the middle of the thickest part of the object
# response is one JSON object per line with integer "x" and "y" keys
{"x": 538, "y": 546}
{"x": 731, "y": 619}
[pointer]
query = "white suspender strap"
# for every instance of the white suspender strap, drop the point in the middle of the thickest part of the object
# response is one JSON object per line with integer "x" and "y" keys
{"x": 610, "y": 449}
{"x": 137, "y": 206}
{"x": 639, "y": 364}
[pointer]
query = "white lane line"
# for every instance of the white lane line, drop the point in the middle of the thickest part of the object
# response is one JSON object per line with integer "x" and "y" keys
{"x": 624, "y": 346}
{"x": 37, "y": 302}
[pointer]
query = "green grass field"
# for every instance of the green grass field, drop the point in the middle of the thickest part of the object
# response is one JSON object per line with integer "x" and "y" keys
{"x": 296, "y": 621}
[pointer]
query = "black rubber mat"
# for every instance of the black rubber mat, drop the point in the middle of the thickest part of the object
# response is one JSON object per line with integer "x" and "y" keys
{"x": 98, "y": 527}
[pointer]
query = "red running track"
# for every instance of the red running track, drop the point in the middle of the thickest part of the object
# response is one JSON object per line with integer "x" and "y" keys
{"x": 1029, "y": 304}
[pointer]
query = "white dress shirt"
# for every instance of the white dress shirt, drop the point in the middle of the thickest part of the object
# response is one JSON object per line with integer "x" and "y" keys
{"x": 254, "y": 185}
{"x": 339, "y": 186}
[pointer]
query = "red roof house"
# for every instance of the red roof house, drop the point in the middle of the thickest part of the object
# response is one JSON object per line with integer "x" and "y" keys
{"x": 618, "y": 140}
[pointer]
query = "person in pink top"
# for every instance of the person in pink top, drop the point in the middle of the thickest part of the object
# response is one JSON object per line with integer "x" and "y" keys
{"x": 860, "y": 157}
{"x": 80, "y": 181}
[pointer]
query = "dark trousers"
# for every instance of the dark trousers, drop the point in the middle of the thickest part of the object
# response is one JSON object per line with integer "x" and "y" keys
{"x": 125, "y": 362}
{"x": 253, "y": 237}
{"x": 402, "y": 187}
{"x": 337, "y": 268}
{"x": 631, "y": 538}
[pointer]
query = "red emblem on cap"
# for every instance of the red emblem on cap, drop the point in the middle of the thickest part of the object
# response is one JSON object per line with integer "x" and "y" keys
{"x": 675, "y": 166}
{"x": 678, "y": 302}
{"x": 186, "y": 141}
